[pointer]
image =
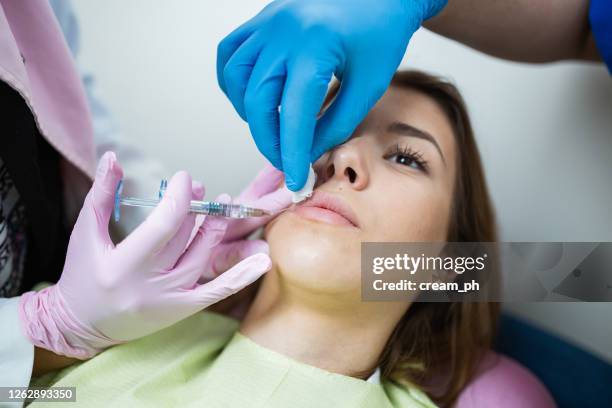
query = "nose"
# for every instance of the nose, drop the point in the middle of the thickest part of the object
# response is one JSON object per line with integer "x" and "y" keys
{"x": 346, "y": 164}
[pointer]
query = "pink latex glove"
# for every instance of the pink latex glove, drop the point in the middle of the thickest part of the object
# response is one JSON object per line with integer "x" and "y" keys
{"x": 110, "y": 294}
{"x": 267, "y": 192}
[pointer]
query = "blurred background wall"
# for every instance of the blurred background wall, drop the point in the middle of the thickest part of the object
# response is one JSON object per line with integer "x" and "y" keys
{"x": 545, "y": 132}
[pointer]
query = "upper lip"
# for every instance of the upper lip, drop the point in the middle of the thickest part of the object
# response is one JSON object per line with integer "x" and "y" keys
{"x": 333, "y": 203}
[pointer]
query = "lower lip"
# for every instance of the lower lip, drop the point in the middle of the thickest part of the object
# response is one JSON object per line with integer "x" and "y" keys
{"x": 323, "y": 215}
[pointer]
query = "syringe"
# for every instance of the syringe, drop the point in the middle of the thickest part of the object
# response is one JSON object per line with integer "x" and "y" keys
{"x": 200, "y": 207}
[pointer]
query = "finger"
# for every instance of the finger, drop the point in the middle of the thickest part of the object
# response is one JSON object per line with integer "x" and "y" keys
{"x": 261, "y": 101}
{"x": 303, "y": 96}
{"x": 100, "y": 201}
{"x": 266, "y": 181}
{"x": 357, "y": 95}
{"x": 213, "y": 228}
{"x": 176, "y": 246}
{"x": 164, "y": 221}
{"x": 237, "y": 72}
{"x": 197, "y": 256}
{"x": 232, "y": 281}
{"x": 229, "y": 45}
{"x": 197, "y": 190}
{"x": 273, "y": 203}
{"x": 226, "y": 255}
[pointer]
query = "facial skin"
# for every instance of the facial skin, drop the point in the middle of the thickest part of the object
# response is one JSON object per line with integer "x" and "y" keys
{"x": 394, "y": 197}
{"x": 309, "y": 306}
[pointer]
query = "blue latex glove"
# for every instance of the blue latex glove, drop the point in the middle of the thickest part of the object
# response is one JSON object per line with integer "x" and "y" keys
{"x": 286, "y": 55}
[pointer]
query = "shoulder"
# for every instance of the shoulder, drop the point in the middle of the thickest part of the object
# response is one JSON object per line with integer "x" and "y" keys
{"x": 503, "y": 382}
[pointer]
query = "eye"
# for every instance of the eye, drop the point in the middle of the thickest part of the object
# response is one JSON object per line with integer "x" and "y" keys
{"x": 405, "y": 156}
{"x": 406, "y": 161}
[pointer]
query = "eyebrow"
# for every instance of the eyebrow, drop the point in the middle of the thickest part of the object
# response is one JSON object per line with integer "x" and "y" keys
{"x": 405, "y": 129}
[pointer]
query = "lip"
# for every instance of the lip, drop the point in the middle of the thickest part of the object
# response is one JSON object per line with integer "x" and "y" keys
{"x": 327, "y": 208}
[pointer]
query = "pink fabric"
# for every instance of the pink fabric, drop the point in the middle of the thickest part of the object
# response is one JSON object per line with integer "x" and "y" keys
{"x": 502, "y": 383}
{"x": 48, "y": 80}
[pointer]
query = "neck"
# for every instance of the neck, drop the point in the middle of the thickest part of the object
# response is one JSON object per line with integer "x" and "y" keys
{"x": 316, "y": 329}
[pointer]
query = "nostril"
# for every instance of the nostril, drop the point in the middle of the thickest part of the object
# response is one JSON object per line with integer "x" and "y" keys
{"x": 351, "y": 174}
{"x": 329, "y": 173}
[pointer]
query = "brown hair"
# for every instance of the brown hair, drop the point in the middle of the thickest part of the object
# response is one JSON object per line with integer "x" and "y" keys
{"x": 438, "y": 346}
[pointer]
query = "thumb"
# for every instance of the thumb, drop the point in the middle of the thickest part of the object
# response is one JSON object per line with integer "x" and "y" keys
{"x": 266, "y": 181}
{"x": 232, "y": 281}
{"x": 357, "y": 95}
{"x": 164, "y": 221}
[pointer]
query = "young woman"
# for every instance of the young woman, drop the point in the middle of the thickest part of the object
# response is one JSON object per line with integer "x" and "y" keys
{"x": 411, "y": 172}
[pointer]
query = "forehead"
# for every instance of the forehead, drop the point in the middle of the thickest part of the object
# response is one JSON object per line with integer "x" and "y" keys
{"x": 400, "y": 104}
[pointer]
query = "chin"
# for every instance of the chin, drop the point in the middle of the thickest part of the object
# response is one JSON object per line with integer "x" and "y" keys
{"x": 315, "y": 256}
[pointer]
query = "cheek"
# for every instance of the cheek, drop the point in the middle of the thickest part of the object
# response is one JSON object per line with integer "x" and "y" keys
{"x": 420, "y": 215}
{"x": 315, "y": 256}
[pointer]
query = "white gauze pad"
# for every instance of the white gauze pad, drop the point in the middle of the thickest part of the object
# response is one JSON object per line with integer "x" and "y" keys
{"x": 306, "y": 191}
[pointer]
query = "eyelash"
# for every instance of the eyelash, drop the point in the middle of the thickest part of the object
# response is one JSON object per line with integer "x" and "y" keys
{"x": 412, "y": 155}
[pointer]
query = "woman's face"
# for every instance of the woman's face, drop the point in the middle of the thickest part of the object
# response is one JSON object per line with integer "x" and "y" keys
{"x": 391, "y": 181}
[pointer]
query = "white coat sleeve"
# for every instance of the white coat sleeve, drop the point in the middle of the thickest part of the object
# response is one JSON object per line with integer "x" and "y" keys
{"x": 16, "y": 352}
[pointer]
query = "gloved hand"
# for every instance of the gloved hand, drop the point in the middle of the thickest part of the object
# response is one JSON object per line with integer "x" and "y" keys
{"x": 266, "y": 192}
{"x": 286, "y": 55}
{"x": 111, "y": 294}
